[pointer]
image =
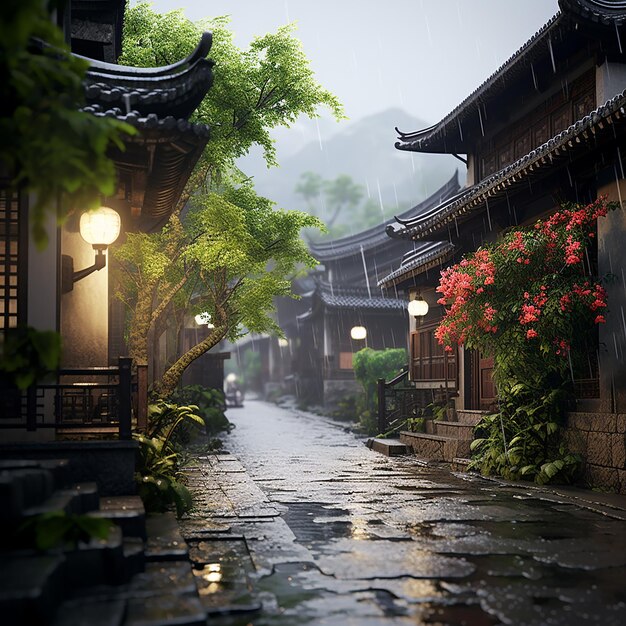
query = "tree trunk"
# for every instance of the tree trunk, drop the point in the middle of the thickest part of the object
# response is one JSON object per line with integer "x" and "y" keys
{"x": 167, "y": 384}
{"x": 140, "y": 327}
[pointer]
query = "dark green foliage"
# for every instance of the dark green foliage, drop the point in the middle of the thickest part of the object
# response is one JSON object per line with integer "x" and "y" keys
{"x": 370, "y": 365}
{"x": 524, "y": 440}
{"x": 26, "y": 355}
{"x": 48, "y": 145}
{"x": 58, "y": 528}
{"x": 159, "y": 476}
{"x": 210, "y": 404}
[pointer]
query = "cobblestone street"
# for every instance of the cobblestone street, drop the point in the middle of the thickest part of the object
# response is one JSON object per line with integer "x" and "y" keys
{"x": 299, "y": 522}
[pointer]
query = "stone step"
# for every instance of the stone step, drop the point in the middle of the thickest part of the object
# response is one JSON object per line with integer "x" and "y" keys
{"x": 127, "y": 512}
{"x": 66, "y": 501}
{"x": 460, "y": 464}
{"x": 96, "y": 562}
{"x": 466, "y": 416}
{"x": 166, "y": 610}
{"x": 58, "y": 468}
{"x": 435, "y": 447}
{"x": 164, "y": 540}
{"x": 88, "y": 496}
{"x": 30, "y": 588}
{"x": 23, "y": 488}
{"x": 456, "y": 430}
{"x": 388, "y": 447}
{"x": 91, "y": 612}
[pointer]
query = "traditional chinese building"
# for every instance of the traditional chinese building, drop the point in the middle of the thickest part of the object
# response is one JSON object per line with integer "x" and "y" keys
{"x": 341, "y": 296}
{"x": 62, "y": 288}
{"x": 547, "y": 127}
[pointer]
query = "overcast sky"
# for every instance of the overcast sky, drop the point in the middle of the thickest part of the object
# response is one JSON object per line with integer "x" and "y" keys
{"x": 424, "y": 56}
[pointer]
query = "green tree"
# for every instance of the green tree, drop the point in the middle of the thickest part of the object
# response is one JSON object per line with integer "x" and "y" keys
{"x": 49, "y": 146}
{"x": 370, "y": 365}
{"x": 270, "y": 84}
{"x": 342, "y": 193}
{"x": 310, "y": 188}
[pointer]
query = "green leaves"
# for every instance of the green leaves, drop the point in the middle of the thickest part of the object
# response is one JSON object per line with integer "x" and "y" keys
{"x": 49, "y": 147}
{"x": 26, "y": 355}
{"x": 58, "y": 528}
{"x": 267, "y": 85}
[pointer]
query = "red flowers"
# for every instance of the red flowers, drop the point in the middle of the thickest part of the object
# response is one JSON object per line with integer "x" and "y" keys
{"x": 528, "y": 286}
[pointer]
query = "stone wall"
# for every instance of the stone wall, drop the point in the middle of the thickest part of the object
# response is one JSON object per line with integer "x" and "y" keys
{"x": 337, "y": 390}
{"x": 601, "y": 440}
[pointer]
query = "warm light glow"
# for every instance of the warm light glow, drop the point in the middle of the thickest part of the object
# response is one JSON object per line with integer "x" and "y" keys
{"x": 358, "y": 332}
{"x": 204, "y": 319}
{"x": 231, "y": 378}
{"x": 283, "y": 343}
{"x": 418, "y": 307}
{"x": 101, "y": 227}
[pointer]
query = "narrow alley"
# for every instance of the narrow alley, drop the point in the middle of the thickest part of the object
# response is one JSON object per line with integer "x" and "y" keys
{"x": 298, "y": 522}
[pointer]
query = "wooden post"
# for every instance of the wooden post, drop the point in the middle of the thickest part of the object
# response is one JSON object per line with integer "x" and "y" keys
{"x": 142, "y": 398}
{"x": 382, "y": 418}
{"x": 31, "y": 408}
{"x": 124, "y": 397}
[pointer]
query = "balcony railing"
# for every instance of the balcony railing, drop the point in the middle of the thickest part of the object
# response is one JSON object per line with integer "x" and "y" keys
{"x": 399, "y": 401}
{"x": 91, "y": 399}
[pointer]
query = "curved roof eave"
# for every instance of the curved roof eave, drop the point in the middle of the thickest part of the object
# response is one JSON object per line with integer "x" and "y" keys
{"x": 376, "y": 235}
{"x": 104, "y": 69}
{"x": 538, "y": 159}
{"x": 421, "y": 140}
{"x": 417, "y": 263}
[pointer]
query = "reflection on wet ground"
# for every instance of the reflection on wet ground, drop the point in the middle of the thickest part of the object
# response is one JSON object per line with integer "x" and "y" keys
{"x": 306, "y": 521}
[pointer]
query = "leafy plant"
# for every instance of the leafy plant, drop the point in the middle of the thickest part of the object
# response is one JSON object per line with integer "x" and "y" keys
{"x": 49, "y": 146}
{"x": 237, "y": 252}
{"x": 26, "y": 355}
{"x": 210, "y": 406}
{"x": 530, "y": 302}
{"x": 58, "y": 528}
{"x": 158, "y": 475}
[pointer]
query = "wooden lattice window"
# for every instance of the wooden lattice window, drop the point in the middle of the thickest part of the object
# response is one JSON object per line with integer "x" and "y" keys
{"x": 10, "y": 251}
{"x": 429, "y": 362}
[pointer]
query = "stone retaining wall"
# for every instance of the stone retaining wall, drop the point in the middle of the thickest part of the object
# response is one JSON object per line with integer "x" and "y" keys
{"x": 601, "y": 439}
{"x": 337, "y": 390}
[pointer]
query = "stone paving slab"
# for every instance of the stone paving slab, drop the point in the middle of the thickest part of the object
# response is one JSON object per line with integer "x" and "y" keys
{"x": 337, "y": 534}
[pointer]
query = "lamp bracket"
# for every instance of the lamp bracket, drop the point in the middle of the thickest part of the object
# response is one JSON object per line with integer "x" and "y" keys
{"x": 69, "y": 276}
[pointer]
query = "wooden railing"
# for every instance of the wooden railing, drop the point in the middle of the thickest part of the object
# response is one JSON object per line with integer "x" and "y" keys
{"x": 399, "y": 401}
{"x": 90, "y": 399}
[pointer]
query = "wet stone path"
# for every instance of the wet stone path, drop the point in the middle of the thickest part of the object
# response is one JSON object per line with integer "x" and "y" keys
{"x": 300, "y": 523}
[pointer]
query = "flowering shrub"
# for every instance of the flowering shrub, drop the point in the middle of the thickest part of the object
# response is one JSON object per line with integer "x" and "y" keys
{"x": 530, "y": 302}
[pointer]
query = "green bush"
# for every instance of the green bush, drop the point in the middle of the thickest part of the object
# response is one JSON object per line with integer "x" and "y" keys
{"x": 210, "y": 406}
{"x": 369, "y": 366}
{"x": 159, "y": 476}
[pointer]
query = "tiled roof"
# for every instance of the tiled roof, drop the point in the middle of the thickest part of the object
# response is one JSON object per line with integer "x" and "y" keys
{"x": 376, "y": 236}
{"x": 158, "y": 102}
{"x": 564, "y": 145}
{"x": 174, "y": 90}
{"x": 424, "y": 257}
{"x": 430, "y": 139}
{"x": 356, "y": 298}
{"x": 595, "y": 17}
{"x": 605, "y": 12}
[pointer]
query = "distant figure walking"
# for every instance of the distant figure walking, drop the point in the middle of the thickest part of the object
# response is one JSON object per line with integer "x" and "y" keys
{"x": 232, "y": 392}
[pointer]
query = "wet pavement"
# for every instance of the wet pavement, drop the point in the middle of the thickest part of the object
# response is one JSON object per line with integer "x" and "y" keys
{"x": 300, "y": 523}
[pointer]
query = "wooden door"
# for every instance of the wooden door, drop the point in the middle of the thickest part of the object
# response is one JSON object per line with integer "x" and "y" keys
{"x": 482, "y": 390}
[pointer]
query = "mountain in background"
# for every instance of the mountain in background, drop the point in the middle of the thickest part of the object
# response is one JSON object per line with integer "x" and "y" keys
{"x": 364, "y": 150}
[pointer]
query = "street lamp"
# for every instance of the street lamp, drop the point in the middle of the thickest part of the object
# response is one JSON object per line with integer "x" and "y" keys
{"x": 100, "y": 228}
{"x": 418, "y": 308}
{"x": 204, "y": 319}
{"x": 358, "y": 332}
